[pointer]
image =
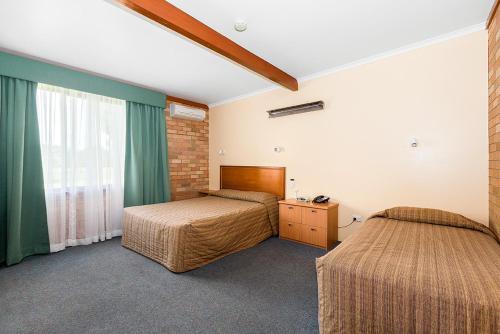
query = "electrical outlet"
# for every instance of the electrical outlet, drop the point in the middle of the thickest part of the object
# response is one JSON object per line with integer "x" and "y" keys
{"x": 357, "y": 218}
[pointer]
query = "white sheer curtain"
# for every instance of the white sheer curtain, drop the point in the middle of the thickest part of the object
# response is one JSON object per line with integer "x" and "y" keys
{"x": 82, "y": 137}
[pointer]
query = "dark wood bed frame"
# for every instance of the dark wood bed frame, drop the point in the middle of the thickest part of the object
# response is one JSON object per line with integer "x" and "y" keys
{"x": 254, "y": 178}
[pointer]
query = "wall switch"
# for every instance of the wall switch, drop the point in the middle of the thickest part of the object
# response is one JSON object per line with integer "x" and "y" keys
{"x": 357, "y": 218}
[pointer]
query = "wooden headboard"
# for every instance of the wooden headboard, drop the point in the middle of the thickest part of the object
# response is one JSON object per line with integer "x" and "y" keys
{"x": 254, "y": 178}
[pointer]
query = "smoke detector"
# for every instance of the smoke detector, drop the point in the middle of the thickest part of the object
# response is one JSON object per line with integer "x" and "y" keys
{"x": 240, "y": 25}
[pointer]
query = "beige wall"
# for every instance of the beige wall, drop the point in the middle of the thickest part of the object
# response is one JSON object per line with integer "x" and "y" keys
{"x": 358, "y": 149}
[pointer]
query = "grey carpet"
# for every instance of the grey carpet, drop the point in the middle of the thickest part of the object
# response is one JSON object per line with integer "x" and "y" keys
{"x": 105, "y": 288}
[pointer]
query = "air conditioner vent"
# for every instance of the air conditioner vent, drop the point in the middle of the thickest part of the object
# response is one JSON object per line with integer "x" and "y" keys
{"x": 301, "y": 108}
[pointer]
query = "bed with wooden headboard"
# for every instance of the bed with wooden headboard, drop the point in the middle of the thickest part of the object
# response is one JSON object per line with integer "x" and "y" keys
{"x": 184, "y": 235}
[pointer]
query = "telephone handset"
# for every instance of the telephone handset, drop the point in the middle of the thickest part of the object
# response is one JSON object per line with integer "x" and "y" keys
{"x": 321, "y": 199}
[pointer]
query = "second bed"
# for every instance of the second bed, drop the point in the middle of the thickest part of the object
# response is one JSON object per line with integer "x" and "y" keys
{"x": 188, "y": 234}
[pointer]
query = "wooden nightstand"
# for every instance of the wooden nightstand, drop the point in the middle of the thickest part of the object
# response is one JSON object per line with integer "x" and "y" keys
{"x": 309, "y": 223}
{"x": 203, "y": 193}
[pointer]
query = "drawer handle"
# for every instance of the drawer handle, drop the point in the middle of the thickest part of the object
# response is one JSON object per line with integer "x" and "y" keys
{"x": 313, "y": 229}
{"x": 313, "y": 211}
{"x": 290, "y": 207}
{"x": 289, "y": 224}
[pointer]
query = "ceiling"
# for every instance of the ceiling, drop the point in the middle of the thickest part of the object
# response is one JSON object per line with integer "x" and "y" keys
{"x": 300, "y": 37}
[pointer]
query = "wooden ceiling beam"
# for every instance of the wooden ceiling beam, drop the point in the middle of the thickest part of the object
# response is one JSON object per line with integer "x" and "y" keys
{"x": 492, "y": 13}
{"x": 179, "y": 21}
{"x": 185, "y": 102}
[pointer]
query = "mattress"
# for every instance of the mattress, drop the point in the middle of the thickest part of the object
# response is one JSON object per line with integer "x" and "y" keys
{"x": 184, "y": 235}
{"x": 411, "y": 270}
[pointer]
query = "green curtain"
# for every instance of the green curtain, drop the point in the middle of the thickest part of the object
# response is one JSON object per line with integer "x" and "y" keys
{"x": 146, "y": 169}
{"x": 23, "y": 216}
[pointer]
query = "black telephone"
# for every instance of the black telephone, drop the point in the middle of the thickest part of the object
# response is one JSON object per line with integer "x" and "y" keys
{"x": 321, "y": 199}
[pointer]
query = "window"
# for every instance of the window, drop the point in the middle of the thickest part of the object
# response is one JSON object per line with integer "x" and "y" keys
{"x": 82, "y": 137}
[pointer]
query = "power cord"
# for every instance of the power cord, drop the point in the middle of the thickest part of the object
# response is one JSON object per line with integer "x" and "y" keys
{"x": 353, "y": 220}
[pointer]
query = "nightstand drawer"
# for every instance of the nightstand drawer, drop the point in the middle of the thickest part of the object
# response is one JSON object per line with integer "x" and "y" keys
{"x": 313, "y": 235}
{"x": 315, "y": 217}
{"x": 289, "y": 230}
{"x": 290, "y": 213}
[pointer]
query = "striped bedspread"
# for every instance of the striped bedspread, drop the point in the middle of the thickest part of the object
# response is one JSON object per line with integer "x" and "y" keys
{"x": 188, "y": 234}
{"x": 411, "y": 270}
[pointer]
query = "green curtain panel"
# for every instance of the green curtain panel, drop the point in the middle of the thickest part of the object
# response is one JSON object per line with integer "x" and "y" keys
{"x": 146, "y": 169}
{"x": 23, "y": 216}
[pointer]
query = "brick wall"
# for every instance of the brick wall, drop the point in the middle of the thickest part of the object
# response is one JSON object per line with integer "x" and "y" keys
{"x": 187, "y": 156}
{"x": 494, "y": 119}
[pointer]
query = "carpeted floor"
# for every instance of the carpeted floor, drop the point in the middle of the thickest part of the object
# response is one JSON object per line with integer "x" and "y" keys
{"x": 105, "y": 288}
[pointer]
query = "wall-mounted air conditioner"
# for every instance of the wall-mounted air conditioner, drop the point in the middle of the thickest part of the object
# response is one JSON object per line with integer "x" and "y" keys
{"x": 184, "y": 112}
